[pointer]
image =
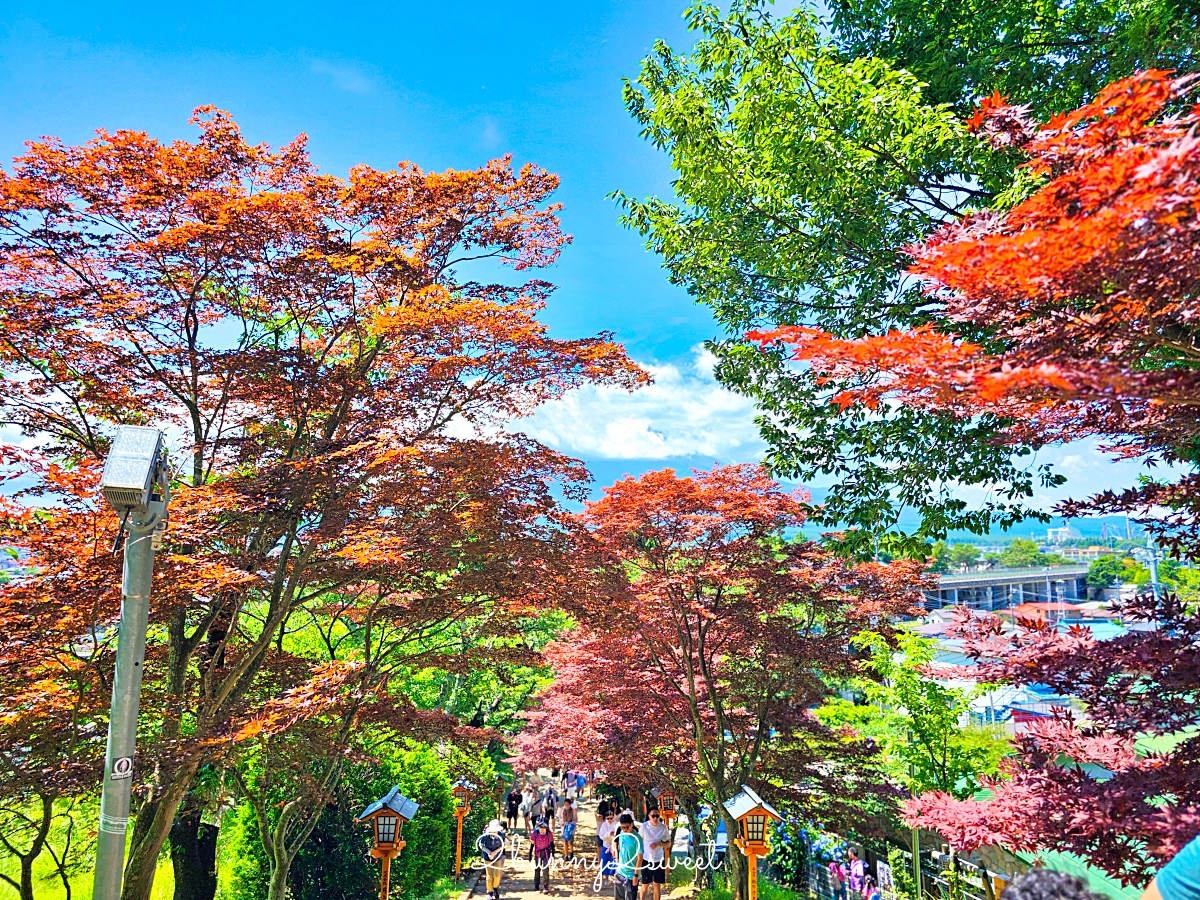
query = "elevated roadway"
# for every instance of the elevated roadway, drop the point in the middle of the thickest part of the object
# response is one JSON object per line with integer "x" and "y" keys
{"x": 1004, "y": 588}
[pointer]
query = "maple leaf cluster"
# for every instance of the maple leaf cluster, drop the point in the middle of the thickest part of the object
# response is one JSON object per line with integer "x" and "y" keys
{"x": 1074, "y": 313}
{"x": 347, "y": 507}
{"x": 1082, "y": 784}
{"x": 709, "y": 639}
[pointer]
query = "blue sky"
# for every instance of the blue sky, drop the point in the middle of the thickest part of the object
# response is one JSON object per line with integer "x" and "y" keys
{"x": 446, "y": 86}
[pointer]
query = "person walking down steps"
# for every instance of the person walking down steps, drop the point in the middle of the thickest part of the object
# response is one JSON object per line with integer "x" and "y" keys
{"x": 570, "y": 821}
{"x": 627, "y": 847}
{"x": 541, "y": 852}
{"x": 491, "y": 849}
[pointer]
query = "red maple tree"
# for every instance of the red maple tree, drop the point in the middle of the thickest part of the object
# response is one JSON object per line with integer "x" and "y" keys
{"x": 1087, "y": 785}
{"x": 709, "y": 638}
{"x": 1074, "y": 314}
{"x": 305, "y": 340}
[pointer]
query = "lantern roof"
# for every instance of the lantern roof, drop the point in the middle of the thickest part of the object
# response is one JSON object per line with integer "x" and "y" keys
{"x": 748, "y": 802}
{"x": 394, "y": 802}
{"x": 465, "y": 785}
{"x": 658, "y": 792}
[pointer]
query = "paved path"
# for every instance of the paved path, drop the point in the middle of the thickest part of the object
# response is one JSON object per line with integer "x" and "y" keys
{"x": 567, "y": 879}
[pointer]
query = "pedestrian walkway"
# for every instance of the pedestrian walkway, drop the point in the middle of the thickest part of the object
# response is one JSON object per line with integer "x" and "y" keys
{"x": 566, "y": 879}
{"x": 578, "y": 879}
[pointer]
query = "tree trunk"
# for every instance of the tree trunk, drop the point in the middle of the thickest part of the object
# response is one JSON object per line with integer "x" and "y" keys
{"x": 37, "y": 845}
{"x": 151, "y": 829}
{"x": 700, "y": 871}
{"x": 739, "y": 871}
{"x": 277, "y": 890}
{"x": 26, "y": 877}
{"x": 194, "y": 858}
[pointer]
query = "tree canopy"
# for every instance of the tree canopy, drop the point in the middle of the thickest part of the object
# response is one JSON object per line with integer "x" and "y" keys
{"x": 711, "y": 640}
{"x": 305, "y": 341}
{"x": 806, "y": 162}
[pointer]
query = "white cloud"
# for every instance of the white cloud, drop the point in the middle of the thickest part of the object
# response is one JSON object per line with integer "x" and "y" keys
{"x": 345, "y": 76}
{"x": 683, "y": 413}
{"x": 1088, "y": 468}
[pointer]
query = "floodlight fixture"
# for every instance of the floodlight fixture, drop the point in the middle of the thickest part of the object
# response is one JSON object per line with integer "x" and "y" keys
{"x": 136, "y": 483}
{"x": 135, "y": 469}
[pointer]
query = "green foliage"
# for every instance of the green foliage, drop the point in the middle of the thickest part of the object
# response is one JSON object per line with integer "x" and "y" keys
{"x": 1052, "y": 56}
{"x": 1168, "y": 573}
{"x": 242, "y": 863}
{"x": 806, "y": 162}
{"x": 1104, "y": 571}
{"x": 490, "y": 696}
{"x": 333, "y": 863}
{"x": 939, "y": 556}
{"x": 884, "y": 726}
{"x": 1187, "y": 587}
{"x": 423, "y": 776}
{"x": 789, "y": 853}
{"x": 1022, "y": 553}
{"x": 719, "y": 891}
{"x": 902, "y": 878}
{"x": 964, "y": 555}
{"x": 769, "y": 890}
{"x": 952, "y": 557}
{"x": 935, "y": 752}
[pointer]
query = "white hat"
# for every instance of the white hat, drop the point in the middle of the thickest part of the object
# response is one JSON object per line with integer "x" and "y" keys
{"x": 493, "y": 827}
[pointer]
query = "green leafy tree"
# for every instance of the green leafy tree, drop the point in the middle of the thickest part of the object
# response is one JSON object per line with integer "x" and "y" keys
{"x": 333, "y": 863}
{"x": 1022, "y": 553}
{"x": 964, "y": 556}
{"x": 1052, "y": 56}
{"x": 939, "y": 557}
{"x": 936, "y": 752}
{"x": 804, "y": 166}
{"x": 1104, "y": 571}
{"x": 243, "y": 860}
{"x": 1187, "y": 587}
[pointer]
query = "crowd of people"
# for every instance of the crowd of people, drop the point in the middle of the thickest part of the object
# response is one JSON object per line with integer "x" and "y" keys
{"x": 635, "y": 856}
{"x": 850, "y": 877}
{"x": 632, "y": 855}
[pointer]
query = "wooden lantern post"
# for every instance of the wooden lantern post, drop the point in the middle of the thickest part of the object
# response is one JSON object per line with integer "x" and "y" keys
{"x": 501, "y": 792}
{"x": 387, "y": 816}
{"x": 666, "y": 804}
{"x": 463, "y": 792}
{"x": 752, "y": 814}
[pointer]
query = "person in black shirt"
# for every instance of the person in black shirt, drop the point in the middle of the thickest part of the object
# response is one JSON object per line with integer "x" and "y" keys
{"x": 512, "y": 807}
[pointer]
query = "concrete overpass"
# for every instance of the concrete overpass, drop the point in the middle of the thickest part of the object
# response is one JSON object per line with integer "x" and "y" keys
{"x": 1003, "y": 588}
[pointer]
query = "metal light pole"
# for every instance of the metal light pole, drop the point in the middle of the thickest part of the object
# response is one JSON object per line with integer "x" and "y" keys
{"x": 916, "y": 832}
{"x": 135, "y": 483}
{"x": 1152, "y": 558}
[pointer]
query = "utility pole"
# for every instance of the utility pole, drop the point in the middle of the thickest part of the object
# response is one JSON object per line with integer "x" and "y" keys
{"x": 1152, "y": 553}
{"x": 135, "y": 482}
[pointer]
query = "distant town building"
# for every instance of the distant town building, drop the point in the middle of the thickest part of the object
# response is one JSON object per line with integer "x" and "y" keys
{"x": 1058, "y": 535}
{"x": 1083, "y": 553}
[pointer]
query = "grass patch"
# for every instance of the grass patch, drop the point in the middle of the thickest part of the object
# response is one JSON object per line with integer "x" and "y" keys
{"x": 769, "y": 890}
{"x": 444, "y": 889}
{"x": 46, "y": 885}
{"x": 720, "y": 892}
